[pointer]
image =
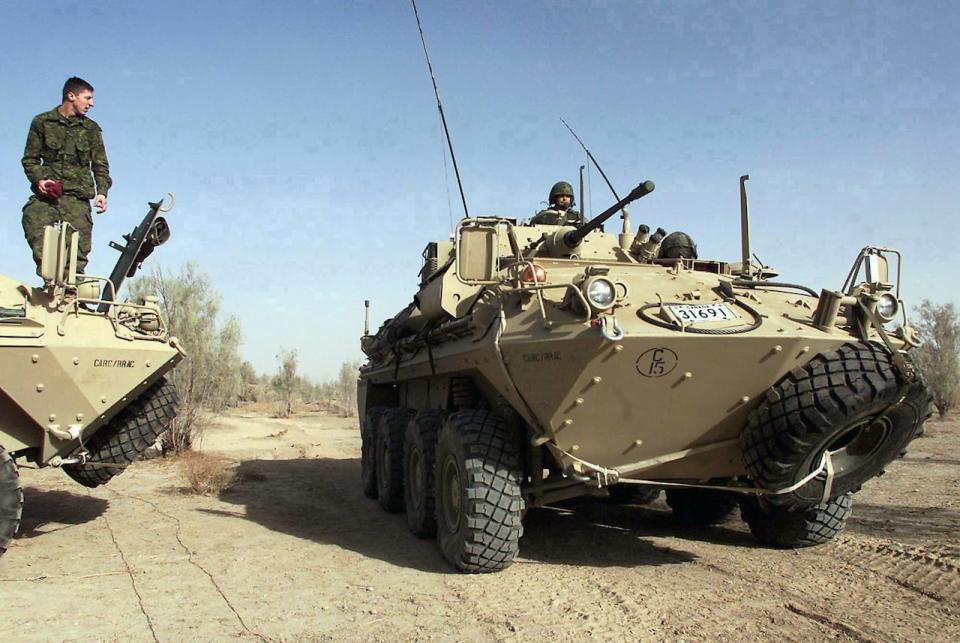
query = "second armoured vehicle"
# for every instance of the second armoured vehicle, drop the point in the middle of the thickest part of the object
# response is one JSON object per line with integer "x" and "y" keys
{"x": 83, "y": 379}
{"x": 538, "y": 363}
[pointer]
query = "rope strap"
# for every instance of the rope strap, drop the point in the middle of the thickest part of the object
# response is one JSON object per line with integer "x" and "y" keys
{"x": 607, "y": 477}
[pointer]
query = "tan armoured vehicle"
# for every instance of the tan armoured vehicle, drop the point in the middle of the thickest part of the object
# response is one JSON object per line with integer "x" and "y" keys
{"x": 540, "y": 363}
{"x": 83, "y": 378}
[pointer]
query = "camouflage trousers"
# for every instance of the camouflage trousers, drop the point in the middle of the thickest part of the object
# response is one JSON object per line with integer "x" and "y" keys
{"x": 38, "y": 213}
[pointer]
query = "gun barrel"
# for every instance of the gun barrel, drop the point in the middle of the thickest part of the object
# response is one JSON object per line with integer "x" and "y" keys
{"x": 573, "y": 238}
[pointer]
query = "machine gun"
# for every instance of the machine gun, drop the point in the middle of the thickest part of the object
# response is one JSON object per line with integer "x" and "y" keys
{"x": 573, "y": 238}
{"x": 565, "y": 241}
{"x": 152, "y": 232}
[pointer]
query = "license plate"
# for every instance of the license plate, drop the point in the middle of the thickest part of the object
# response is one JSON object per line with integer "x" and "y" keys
{"x": 703, "y": 313}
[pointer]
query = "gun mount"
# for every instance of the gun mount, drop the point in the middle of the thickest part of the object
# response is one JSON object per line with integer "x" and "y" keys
{"x": 151, "y": 232}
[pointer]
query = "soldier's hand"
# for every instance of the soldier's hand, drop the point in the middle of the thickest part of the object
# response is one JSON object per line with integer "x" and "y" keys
{"x": 100, "y": 203}
{"x": 43, "y": 186}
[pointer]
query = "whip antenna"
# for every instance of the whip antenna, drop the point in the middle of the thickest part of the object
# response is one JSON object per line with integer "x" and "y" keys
{"x": 443, "y": 119}
{"x": 593, "y": 160}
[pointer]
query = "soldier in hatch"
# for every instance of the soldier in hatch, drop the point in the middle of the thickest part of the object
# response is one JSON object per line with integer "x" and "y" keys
{"x": 561, "y": 210}
{"x": 66, "y": 164}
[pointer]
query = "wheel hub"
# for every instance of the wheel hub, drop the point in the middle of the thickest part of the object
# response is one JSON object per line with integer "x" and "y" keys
{"x": 855, "y": 446}
{"x": 415, "y": 477}
{"x": 450, "y": 486}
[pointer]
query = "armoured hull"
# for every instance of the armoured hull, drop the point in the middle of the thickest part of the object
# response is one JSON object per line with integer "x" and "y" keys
{"x": 644, "y": 402}
{"x": 67, "y": 372}
{"x": 539, "y": 363}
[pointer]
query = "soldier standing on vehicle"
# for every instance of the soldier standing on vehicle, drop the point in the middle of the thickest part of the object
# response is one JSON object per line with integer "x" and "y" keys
{"x": 561, "y": 210}
{"x": 66, "y": 164}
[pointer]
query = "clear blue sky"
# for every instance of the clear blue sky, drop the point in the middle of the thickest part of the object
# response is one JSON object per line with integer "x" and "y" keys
{"x": 303, "y": 144}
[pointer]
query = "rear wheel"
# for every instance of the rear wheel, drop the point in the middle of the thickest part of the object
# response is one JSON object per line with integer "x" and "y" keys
{"x": 701, "y": 507}
{"x": 127, "y": 436}
{"x": 787, "y": 529}
{"x": 419, "y": 465}
{"x": 390, "y": 432}
{"x": 11, "y": 500}
{"x": 368, "y": 451}
{"x": 479, "y": 505}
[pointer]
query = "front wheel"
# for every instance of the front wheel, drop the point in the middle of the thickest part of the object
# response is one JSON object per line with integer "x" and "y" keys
{"x": 848, "y": 404}
{"x": 127, "y": 435}
{"x": 478, "y": 492}
{"x": 11, "y": 500}
{"x": 788, "y": 529}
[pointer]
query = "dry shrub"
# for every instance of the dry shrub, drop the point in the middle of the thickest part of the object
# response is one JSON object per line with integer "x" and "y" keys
{"x": 207, "y": 474}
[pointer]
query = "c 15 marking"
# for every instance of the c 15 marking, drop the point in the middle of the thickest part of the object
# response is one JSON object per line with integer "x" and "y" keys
{"x": 657, "y": 362}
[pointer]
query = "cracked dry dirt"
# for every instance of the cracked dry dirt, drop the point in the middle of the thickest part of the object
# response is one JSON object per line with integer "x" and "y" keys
{"x": 295, "y": 552}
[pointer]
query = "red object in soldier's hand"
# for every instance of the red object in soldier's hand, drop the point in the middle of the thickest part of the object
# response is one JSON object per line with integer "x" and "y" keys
{"x": 55, "y": 190}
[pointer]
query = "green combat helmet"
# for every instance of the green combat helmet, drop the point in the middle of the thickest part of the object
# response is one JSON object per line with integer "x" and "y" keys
{"x": 561, "y": 188}
{"x": 678, "y": 245}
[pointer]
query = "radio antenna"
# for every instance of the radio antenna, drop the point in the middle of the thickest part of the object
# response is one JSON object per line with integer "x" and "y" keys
{"x": 594, "y": 161}
{"x": 443, "y": 119}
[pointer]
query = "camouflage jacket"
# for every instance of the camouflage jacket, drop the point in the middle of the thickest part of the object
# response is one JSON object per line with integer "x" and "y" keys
{"x": 68, "y": 149}
{"x": 553, "y": 216}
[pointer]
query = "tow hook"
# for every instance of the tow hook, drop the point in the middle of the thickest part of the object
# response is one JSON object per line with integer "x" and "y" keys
{"x": 610, "y": 328}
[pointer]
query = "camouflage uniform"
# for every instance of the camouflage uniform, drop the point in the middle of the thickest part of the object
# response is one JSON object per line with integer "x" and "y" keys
{"x": 555, "y": 216}
{"x": 69, "y": 150}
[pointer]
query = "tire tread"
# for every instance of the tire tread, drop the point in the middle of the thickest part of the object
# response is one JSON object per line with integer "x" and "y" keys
{"x": 126, "y": 436}
{"x": 493, "y": 473}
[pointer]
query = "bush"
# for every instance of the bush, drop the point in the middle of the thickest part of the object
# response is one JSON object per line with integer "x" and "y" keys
{"x": 938, "y": 356}
{"x": 210, "y": 378}
{"x": 286, "y": 382}
{"x": 207, "y": 474}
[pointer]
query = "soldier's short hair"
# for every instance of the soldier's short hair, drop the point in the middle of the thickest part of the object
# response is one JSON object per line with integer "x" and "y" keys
{"x": 75, "y": 85}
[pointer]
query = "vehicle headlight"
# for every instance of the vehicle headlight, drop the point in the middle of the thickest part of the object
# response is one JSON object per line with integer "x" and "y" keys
{"x": 600, "y": 293}
{"x": 887, "y": 307}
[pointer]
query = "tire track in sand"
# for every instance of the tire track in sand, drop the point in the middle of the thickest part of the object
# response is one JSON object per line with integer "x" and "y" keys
{"x": 932, "y": 572}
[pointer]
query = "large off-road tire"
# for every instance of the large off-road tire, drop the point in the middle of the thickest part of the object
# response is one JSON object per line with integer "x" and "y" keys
{"x": 479, "y": 503}
{"x": 785, "y": 528}
{"x": 849, "y": 402}
{"x": 701, "y": 507}
{"x": 390, "y": 432}
{"x": 127, "y": 435}
{"x": 11, "y": 500}
{"x": 632, "y": 494}
{"x": 419, "y": 468}
{"x": 368, "y": 451}
{"x": 921, "y": 397}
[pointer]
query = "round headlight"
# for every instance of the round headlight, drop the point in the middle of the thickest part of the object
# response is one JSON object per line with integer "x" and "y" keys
{"x": 887, "y": 307}
{"x": 601, "y": 293}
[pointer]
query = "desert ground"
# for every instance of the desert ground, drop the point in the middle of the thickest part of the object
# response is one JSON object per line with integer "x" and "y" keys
{"x": 294, "y": 552}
